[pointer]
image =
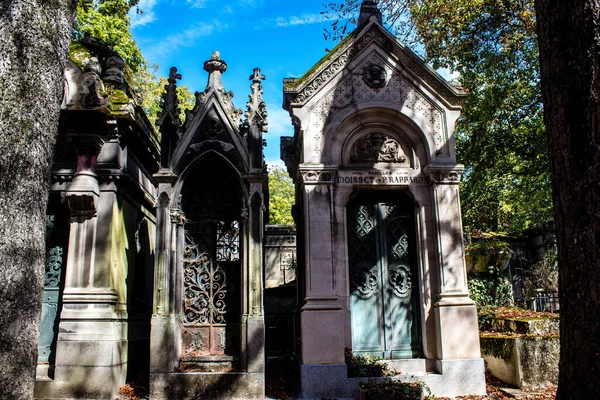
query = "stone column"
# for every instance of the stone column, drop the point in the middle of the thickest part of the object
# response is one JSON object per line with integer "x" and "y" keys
{"x": 165, "y": 332}
{"x": 455, "y": 312}
{"x": 91, "y": 346}
{"x": 321, "y": 318}
{"x": 253, "y": 331}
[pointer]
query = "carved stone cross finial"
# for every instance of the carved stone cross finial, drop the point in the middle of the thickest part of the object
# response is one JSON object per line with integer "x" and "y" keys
{"x": 256, "y": 77}
{"x": 369, "y": 8}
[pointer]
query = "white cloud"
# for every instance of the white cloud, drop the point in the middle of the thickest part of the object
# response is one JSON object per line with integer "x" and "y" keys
{"x": 294, "y": 20}
{"x": 145, "y": 15}
{"x": 280, "y": 124}
{"x": 185, "y": 38}
{"x": 197, "y": 3}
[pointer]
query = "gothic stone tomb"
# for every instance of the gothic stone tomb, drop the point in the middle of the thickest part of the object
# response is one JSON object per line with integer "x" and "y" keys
{"x": 380, "y": 254}
{"x": 208, "y": 325}
{"x": 155, "y": 259}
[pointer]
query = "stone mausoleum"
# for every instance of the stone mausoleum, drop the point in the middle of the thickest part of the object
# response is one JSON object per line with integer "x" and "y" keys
{"x": 155, "y": 243}
{"x": 158, "y": 256}
{"x": 380, "y": 251}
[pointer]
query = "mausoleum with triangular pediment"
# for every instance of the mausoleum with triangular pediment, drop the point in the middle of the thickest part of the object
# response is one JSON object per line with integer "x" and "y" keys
{"x": 381, "y": 267}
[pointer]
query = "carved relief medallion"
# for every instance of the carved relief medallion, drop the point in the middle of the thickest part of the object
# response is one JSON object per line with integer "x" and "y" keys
{"x": 377, "y": 147}
{"x": 375, "y": 76}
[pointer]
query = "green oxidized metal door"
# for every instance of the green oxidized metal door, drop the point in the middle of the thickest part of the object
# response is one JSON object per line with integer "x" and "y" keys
{"x": 383, "y": 276}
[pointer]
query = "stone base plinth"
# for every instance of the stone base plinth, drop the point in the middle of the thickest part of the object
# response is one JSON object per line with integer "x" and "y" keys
{"x": 525, "y": 362}
{"x": 82, "y": 382}
{"x": 207, "y": 385}
{"x": 446, "y": 378}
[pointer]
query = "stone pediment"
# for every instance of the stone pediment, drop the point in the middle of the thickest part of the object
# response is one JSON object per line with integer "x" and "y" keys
{"x": 211, "y": 126}
{"x": 299, "y": 91}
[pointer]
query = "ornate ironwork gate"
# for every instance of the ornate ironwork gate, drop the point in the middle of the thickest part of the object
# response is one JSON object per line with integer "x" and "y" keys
{"x": 383, "y": 277}
{"x": 211, "y": 290}
{"x": 212, "y": 268}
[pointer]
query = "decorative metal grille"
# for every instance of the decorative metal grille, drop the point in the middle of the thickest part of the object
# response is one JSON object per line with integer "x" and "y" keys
{"x": 228, "y": 241}
{"x": 54, "y": 261}
{"x": 397, "y": 225}
{"x": 364, "y": 278}
{"x": 208, "y": 289}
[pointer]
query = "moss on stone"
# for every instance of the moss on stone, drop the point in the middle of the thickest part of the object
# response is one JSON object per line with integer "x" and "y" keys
{"x": 116, "y": 100}
{"x": 297, "y": 82}
{"x": 499, "y": 347}
{"x": 79, "y": 54}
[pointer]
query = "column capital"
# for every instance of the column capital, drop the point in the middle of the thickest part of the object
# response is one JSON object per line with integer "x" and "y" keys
{"x": 318, "y": 174}
{"x": 443, "y": 174}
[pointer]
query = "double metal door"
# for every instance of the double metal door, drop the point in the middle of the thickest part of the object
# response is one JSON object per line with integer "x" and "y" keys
{"x": 383, "y": 278}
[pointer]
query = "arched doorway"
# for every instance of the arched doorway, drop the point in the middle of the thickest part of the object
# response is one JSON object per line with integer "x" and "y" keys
{"x": 383, "y": 273}
{"x": 212, "y": 259}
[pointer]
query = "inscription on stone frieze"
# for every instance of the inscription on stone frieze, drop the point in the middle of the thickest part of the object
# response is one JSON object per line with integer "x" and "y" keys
{"x": 379, "y": 178}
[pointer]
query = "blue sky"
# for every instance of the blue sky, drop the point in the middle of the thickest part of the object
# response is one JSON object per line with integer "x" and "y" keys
{"x": 283, "y": 38}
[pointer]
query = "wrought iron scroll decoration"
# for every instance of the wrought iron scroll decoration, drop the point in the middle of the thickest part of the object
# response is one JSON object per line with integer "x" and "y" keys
{"x": 400, "y": 280}
{"x": 206, "y": 285}
{"x": 399, "y": 276}
{"x": 54, "y": 260}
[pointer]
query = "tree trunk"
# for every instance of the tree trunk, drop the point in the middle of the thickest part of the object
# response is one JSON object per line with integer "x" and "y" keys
{"x": 34, "y": 40}
{"x": 569, "y": 41}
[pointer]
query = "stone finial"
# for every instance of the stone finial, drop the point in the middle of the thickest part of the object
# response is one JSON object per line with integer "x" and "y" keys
{"x": 256, "y": 108}
{"x": 369, "y": 8}
{"x": 170, "y": 103}
{"x": 215, "y": 68}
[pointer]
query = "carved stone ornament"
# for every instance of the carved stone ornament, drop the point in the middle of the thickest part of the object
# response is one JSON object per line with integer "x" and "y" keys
{"x": 377, "y": 147}
{"x": 325, "y": 75}
{"x": 318, "y": 176}
{"x": 90, "y": 86}
{"x": 439, "y": 175}
{"x": 375, "y": 76}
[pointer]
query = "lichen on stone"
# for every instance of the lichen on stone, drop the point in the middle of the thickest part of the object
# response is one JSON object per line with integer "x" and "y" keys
{"x": 79, "y": 54}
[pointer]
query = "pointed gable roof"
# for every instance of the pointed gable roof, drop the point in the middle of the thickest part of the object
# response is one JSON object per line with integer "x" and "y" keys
{"x": 298, "y": 91}
{"x": 213, "y": 123}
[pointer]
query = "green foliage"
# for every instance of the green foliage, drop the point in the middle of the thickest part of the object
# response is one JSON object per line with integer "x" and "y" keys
{"x": 392, "y": 389}
{"x": 281, "y": 197}
{"x": 149, "y": 89}
{"x": 489, "y": 290}
{"x": 500, "y": 136}
{"x": 108, "y": 20}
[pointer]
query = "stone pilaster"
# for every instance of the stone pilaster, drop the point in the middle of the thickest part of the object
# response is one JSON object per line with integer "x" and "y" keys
{"x": 321, "y": 311}
{"x": 253, "y": 334}
{"x": 166, "y": 325}
{"x": 455, "y": 312}
{"x": 91, "y": 349}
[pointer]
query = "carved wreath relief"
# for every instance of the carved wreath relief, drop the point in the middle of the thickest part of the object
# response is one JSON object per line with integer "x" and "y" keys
{"x": 377, "y": 147}
{"x": 375, "y": 76}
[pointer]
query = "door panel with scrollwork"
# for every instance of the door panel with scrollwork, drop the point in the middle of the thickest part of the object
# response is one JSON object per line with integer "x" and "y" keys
{"x": 211, "y": 288}
{"x": 383, "y": 291}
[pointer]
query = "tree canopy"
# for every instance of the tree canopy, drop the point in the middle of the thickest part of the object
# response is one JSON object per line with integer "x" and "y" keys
{"x": 500, "y": 137}
{"x": 108, "y": 20}
{"x": 281, "y": 197}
